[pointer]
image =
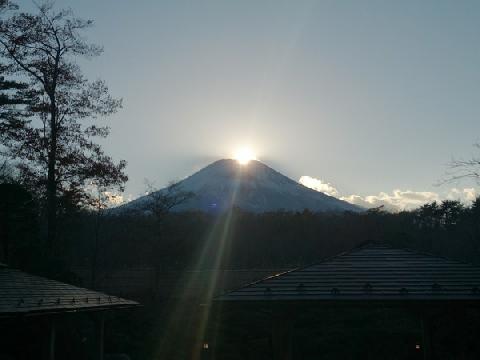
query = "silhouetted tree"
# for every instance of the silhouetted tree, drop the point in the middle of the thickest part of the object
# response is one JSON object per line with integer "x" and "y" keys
{"x": 101, "y": 200}
{"x": 17, "y": 211}
{"x": 7, "y": 5}
{"x": 161, "y": 201}
{"x": 6, "y": 172}
{"x": 159, "y": 204}
{"x": 451, "y": 212}
{"x": 53, "y": 144}
{"x": 12, "y": 95}
{"x": 465, "y": 168}
{"x": 471, "y": 221}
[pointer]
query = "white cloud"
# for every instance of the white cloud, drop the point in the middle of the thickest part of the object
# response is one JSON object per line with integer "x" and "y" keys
{"x": 113, "y": 199}
{"x": 319, "y": 185}
{"x": 397, "y": 200}
{"x": 464, "y": 195}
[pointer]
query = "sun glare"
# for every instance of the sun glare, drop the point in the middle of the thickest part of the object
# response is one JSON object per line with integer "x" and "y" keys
{"x": 244, "y": 156}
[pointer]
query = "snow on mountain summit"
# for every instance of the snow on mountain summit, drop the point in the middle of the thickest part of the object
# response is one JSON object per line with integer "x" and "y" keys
{"x": 252, "y": 187}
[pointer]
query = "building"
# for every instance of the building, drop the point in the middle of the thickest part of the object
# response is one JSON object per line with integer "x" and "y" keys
{"x": 31, "y": 307}
{"x": 371, "y": 276}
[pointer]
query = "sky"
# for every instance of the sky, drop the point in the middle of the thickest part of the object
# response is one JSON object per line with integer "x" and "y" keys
{"x": 371, "y": 98}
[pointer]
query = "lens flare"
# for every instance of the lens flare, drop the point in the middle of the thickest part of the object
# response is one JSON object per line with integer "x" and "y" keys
{"x": 208, "y": 317}
{"x": 244, "y": 155}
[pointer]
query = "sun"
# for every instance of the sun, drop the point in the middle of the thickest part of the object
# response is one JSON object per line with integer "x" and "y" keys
{"x": 244, "y": 155}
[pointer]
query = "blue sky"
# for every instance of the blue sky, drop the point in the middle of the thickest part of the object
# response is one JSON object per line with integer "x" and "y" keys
{"x": 370, "y": 96}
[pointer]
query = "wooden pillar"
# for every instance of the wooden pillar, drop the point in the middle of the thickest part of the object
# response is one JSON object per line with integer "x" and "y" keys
{"x": 282, "y": 331}
{"x": 51, "y": 339}
{"x": 245, "y": 348}
{"x": 427, "y": 337}
{"x": 99, "y": 320}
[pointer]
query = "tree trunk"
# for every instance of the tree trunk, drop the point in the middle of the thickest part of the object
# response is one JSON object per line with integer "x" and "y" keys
{"x": 95, "y": 251}
{"x": 5, "y": 234}
{"x": 52, "y": 182}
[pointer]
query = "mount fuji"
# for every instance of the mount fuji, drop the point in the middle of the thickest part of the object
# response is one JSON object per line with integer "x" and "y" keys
{"x": 253, "y": 187}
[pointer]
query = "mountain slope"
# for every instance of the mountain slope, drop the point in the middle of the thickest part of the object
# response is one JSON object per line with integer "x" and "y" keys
{"x": 254, "y": 187}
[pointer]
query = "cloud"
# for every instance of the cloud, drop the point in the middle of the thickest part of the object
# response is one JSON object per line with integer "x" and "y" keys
{"x": 464, "y": 195}
{"x": 113, "y": 199}
{"x": 397, "y": 200}
{"x": 400, "y": 200}
{"x": 319, "y": 185}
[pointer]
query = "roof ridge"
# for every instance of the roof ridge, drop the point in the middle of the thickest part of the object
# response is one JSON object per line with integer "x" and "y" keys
{"x": 33, "y": 294}
{"x": 369, "y": 244}
{"x": 356, "y": 249}
{"x": 50, "y": 280}
{"x": 429, "y": 254}
{"x": 327, "y": 258}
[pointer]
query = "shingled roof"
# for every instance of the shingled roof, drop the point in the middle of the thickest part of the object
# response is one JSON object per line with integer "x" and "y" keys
{"x": 372, "y": 272}
{"x": 25, "y": 294}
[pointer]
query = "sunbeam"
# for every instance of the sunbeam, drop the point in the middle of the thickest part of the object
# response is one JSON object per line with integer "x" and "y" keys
{"x": 218, "y": 236}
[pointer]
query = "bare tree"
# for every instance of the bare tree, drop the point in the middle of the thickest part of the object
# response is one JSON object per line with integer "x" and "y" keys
{"x": 162, "y": 201}
{"x": 54, "y": 144}
{"x": 159, "y": 204}
{"x": 101, "y": 200}
{"x": 464, "y": 169}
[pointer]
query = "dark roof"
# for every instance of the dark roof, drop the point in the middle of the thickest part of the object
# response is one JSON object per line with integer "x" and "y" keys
{"x": 23, "y": 293}
{"x": 372, "y": 272}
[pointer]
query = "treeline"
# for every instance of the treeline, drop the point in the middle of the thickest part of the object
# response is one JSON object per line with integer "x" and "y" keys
{"x": 236, "y": 239}
{"x": 278, "y": 240}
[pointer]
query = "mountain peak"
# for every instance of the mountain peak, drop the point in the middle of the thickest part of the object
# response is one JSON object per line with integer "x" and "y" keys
{"x": 253, "y": 187}
{"x": 235, "y": 168}
{"x": 235, "y": 164}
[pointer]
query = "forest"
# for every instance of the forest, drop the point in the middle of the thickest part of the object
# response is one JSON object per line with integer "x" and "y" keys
{"x": 190, "y": 240}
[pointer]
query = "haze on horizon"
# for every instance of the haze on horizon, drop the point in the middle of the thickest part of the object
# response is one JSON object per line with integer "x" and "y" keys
{"x": 367, "y": 96}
